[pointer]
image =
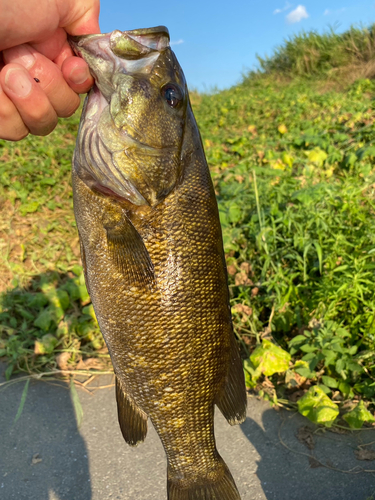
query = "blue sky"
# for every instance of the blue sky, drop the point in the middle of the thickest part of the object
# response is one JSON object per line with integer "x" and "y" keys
{"x": 216, "y": 41}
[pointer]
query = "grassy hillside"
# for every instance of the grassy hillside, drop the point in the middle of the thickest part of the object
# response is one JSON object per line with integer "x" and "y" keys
{"x": 349, "y": 55}
{"x": 293, "y": 169}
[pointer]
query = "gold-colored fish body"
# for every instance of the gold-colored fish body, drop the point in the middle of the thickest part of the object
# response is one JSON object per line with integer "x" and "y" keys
{"x": 152, "y": 252}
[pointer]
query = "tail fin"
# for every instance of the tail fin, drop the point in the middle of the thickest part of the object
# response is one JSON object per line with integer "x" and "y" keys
{"x": 214, "y": 486}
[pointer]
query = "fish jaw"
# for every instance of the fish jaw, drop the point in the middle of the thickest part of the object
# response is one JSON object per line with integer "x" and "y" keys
{"x": 121, "y": 144}
{"x": 120, "y": 52}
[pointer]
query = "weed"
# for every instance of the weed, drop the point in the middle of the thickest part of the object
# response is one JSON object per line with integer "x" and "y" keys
{"x": 293, "y": 170}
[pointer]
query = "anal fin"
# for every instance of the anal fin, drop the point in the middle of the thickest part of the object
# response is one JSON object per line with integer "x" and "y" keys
{"x": 132, "y": 420}
{"x": 233, "y": 399}
{"x": 129, "y": 253}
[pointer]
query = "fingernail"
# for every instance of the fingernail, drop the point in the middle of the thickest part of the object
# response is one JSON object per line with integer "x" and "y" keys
{"x": 18, "y": 82}
{"x": 79, "y": 75}
{"x": 21, "y": 55}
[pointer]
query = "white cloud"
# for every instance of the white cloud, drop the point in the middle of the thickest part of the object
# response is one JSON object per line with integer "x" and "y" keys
{"x": 286, "y": 7}
{"x": 328, "y": 12}
{"x": 297, "y": 15}
{"x": 177, "y": 42}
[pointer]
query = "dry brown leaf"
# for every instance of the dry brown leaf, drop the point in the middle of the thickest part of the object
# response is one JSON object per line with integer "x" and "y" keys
{"x": 231, "y": 270}
{"x": 293, "y": 379}
{"x": 306, "y": 437}
{"x": 90, "y": 363}
{"x": 365, "y": 454}
{"x": 245, "y": 267}
{"x": 242, "y": 279}
{"x": 242, "y": 308}
{"x": 254, "y": 291}
{"x": 62, "y": 360}
{"x": 38, "y": 348}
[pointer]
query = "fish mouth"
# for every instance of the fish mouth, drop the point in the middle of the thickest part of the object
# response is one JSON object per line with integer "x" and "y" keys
{"x": 128, "y": 52}
{"x": 109, "y": 56}
{"x": 132, "y": 44}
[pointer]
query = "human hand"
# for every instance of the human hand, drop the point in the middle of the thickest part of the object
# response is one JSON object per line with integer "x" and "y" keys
{"x": 40, "y": 77}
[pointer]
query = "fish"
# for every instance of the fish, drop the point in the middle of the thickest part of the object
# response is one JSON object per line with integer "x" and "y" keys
{"x": 153, "y": 259}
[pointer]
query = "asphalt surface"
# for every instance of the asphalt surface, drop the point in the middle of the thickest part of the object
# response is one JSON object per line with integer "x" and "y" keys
{"x": 44, "y": 456}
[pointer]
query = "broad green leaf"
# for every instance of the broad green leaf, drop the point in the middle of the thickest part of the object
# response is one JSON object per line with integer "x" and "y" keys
{"x": 38, "y": 300}
{"x": 302, "y": 368}
{"x": 298, "y": 339}
{"x": 317, "y": 156}
{"x": 48, "y": 317}
{"x": 358, "y": 416}
{"x": 308, "y": 348}
{"x": 269, "y": 358}
{"x": 28, "y": 208}
{"x": 44, "y": 320}
{"x": 46, "y": 345}
{"x": 90, "y": 311}
{"x": 318, "y": 407}
{"x": 234, "y": 213}
{"x": 366, "y": 152}
{"x": 346, "y": 390}
{"x": 324, "y": 388}
{"x": 330, "y": 381}
{"x": 59, "y": 298}
{"x": 287, "y": 159}
{"x": 77, "y": 270}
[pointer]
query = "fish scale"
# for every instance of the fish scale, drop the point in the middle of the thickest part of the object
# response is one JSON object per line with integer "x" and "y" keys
{"x": 155, "y": 271}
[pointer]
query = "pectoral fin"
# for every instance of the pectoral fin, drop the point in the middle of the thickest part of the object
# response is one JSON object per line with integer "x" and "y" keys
{"x": 233, "y": 400}
{"x": 129, "y": 253}
{"x": 132, "y": 420}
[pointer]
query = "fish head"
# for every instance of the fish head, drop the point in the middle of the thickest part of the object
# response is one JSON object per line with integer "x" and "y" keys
{"x": 132, "y": 127}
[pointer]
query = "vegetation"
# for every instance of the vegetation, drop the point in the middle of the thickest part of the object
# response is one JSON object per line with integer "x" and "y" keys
{"x": 293, "y": 169}
{"x": 324, "y": 54}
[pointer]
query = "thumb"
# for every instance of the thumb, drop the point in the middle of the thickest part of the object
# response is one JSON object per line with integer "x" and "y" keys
{"x": 80, "y": 18}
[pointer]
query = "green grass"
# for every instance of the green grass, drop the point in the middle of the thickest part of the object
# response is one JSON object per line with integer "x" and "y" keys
{"x": 294, "y": 175}
{"x": 293, "y": 169}
{"x": 312, "y": 53}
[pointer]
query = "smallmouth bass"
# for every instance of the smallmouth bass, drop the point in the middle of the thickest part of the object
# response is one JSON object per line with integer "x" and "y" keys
{"x": 153, "y": 257}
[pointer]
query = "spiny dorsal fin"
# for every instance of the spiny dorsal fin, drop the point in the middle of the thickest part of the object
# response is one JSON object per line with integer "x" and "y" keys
{"x": 129, "y": 253}
{"x": 132, "y": 420}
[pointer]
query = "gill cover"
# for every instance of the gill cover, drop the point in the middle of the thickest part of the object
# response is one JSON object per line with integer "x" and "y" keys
{"x": 132, "y": 127}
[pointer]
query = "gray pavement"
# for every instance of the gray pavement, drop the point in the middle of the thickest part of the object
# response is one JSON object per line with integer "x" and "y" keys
{"x": 44, "y": 456}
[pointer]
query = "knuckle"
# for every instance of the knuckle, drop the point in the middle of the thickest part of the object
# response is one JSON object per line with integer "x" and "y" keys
{"x": 70, "y": 110}
{"x": 16, "y": 134}
{"x": 45, "y": 128}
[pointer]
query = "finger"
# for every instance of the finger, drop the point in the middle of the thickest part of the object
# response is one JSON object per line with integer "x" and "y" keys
{"x": 50, "y": 79}
{"x": 52, "y": 47}
{"x": 30, "y": 100}
{"x": 37, "y": 20}
{"x": 82, "y": 19}
{"x": 12, "y": 127}
{"x": 77, "y": 74}
{"x": 65, "y": 52}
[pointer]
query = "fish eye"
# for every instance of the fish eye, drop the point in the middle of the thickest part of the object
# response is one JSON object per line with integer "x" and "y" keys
{"x": 172, "y": 94}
